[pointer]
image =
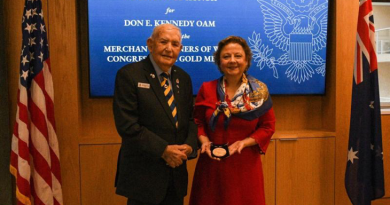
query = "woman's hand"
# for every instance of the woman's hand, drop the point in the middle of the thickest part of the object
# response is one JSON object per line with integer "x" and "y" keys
{"x": 236, "y": 147}
{"x": 206, "y": 147}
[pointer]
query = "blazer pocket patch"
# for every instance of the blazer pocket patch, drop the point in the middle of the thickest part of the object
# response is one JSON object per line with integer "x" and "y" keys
{"x": 144, "y": 85}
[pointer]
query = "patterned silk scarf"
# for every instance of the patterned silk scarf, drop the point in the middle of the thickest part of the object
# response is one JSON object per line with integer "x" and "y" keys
{"x": 250, "y": 101}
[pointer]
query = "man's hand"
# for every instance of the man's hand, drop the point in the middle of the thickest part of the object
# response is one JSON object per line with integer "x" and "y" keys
{"x": 186, "y": 149}
{"x": 174, "y": 156}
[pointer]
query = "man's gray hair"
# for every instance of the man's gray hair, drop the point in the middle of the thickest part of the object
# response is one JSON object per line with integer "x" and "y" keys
{"x": 167, "y": 26}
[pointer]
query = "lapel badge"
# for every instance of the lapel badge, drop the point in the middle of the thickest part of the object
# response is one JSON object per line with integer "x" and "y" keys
{"x": 152, "y": 75}
{"x": 177, "y": 81}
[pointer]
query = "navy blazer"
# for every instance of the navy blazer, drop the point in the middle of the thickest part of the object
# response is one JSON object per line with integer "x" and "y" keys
{"x": 144, "y": 121}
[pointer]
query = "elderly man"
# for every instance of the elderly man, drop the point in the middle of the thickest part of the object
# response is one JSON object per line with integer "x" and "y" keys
{"x": 153, "y": 105}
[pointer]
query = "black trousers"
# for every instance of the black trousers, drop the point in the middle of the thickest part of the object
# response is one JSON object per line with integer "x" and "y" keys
{"x": 171, "y": 197}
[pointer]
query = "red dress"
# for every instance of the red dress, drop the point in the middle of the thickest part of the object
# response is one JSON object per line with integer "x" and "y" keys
{"x": 238, "y": 179}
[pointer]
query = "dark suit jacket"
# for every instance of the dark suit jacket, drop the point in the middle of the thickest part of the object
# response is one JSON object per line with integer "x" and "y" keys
{"x": 145, "y": 123}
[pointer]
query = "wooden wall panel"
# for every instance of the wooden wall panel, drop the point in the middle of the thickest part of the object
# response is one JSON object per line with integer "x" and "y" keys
{"x": 269, "y": 170}
{"x": 97, "y": 170}
{"x": 191, "y": 164}
{"x": 98, "y": 124}
{"x": 346, "y": 24}
{"x": 328, "y": 101}
{"x": 65, "y": 69}
{"x": 385, "y": 201}
{"x": 290, "y": 109}
{"x": 386, "y": 152}
{"x": 304, "y": 170}
{"x": 97, "y": 118}
{"x": 13, "y": 11}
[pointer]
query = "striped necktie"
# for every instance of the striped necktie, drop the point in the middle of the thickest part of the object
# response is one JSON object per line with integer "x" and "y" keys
{"x": 169, "y": 96}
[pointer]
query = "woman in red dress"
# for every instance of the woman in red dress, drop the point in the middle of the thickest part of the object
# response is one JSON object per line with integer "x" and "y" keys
{"x": 235, "y": 122}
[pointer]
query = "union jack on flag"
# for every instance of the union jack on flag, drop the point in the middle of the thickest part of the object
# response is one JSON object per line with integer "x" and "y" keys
{"x": 364, "y": 178}
{"x": 35, "y": 153}
{"x": 365, "y": 41}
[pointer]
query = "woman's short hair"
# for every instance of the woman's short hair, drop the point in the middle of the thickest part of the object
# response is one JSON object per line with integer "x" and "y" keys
{"x": 233, "y": 39}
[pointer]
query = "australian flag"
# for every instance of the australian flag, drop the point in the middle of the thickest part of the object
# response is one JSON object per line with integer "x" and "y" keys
{"x": 364, "y": 180}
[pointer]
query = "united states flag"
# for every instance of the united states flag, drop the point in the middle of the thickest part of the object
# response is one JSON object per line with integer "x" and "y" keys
{"x": 35, "y": 153}
{"x": 364, "y": 179}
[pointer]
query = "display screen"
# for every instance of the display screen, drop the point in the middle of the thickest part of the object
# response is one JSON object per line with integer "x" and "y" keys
{"x": 288, "y": 39}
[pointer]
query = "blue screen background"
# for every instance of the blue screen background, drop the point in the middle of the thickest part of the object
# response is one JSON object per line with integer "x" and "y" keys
{"x": 289, "y": 61}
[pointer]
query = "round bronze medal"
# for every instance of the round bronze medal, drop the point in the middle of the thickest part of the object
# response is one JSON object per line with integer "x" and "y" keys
{"x": 219, "y": 151}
